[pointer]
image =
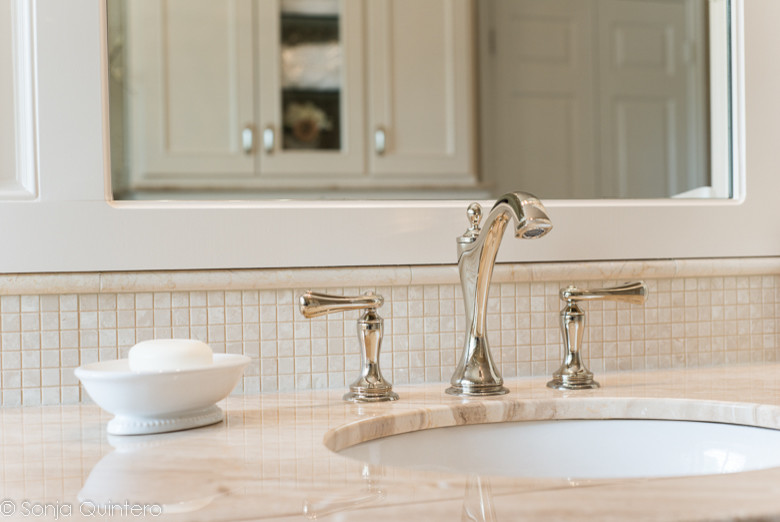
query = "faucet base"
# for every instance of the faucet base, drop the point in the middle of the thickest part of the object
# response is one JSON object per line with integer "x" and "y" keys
{"x": 367, "y": 397}
{"x": 370, "y": 386}
{"x": 474, "y": 391}
{"x": 476, "y": 374}
{"x": 566, "y": 384}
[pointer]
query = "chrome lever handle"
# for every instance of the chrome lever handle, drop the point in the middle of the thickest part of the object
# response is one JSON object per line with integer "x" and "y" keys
{"x": 632, "y": 293}
{"x": 370, "y": 386}
{"x": 314, "y": 304}
{"x": 573, "y": 373}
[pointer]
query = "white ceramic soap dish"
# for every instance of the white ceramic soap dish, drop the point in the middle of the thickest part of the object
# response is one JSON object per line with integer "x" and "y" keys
{"x": 161, "y": 401}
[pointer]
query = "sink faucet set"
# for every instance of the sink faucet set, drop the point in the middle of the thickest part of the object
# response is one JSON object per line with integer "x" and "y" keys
{"x": 476, "y": 374}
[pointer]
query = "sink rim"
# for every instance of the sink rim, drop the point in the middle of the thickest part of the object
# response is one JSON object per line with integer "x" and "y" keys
{"x": 398, "y": 418}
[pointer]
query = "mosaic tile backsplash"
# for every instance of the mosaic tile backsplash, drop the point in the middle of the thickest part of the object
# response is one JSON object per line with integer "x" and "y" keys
{"x": 686, "y": 322}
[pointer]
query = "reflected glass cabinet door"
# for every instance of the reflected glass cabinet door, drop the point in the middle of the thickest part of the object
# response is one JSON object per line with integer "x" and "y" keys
{"x": 311, "y": 75}
{"x": 311, "y": 87}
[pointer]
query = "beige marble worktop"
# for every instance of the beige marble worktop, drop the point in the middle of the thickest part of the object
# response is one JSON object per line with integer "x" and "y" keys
{"x": 269, "y": 459}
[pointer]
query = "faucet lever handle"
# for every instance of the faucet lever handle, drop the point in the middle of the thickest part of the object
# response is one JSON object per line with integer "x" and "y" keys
{"x": 370, "y": 386}
{"x": 315, "y": 304}
{"x": 573, "y": 373}
{"x": 632, "y": 293}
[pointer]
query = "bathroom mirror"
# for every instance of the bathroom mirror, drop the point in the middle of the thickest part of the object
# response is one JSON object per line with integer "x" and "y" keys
{"x": 63, "y": 127}
{"x": 405, "y": 100}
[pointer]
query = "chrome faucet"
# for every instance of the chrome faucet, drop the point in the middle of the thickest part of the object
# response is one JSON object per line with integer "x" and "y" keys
{"x": 476, "y": 374}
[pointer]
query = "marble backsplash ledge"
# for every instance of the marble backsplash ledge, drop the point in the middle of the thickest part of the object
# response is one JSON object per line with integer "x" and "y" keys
{"x": 269, "y": 279}
{"x": 699, "y": 313}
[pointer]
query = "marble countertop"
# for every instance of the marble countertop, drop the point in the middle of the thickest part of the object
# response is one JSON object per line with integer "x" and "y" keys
{"x": 270, "y": 459}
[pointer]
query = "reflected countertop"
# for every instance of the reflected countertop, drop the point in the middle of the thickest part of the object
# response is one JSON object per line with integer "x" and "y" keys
{"x": 271, "y": 460}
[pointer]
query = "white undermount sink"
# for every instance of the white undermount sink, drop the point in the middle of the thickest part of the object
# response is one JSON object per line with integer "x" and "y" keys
{"x": 579, "y": 449}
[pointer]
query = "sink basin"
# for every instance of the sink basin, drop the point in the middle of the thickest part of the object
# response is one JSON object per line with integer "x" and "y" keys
{"x": 579, "y": 449}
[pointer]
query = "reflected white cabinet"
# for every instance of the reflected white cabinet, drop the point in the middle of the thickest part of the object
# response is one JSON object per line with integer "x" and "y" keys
{"x": 210, "y": 111}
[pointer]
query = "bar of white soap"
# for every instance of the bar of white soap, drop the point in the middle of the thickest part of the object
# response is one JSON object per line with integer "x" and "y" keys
{"x": 169, "y": 355}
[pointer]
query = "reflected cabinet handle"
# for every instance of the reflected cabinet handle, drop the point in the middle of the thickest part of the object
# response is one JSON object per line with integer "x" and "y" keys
{"x": 380, "y": 140}
{"x": 269, "y": 139}
{"x": 248, "y": 139}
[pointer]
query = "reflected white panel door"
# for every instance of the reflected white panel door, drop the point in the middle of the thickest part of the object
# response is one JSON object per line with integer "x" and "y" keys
{"x": 190, "y": 88}
{"x": 542, "y": 96}
{"x": 651, "y": 97}
{"x": 7, "y": 125}
{"x": 18, "y": 179}
{"x": 421, "y": 94}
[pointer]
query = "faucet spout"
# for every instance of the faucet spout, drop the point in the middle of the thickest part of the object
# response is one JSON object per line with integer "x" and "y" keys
{"x": 476, "y": 373}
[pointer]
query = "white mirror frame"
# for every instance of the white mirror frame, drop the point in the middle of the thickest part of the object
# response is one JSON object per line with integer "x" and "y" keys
{"x": 71, "y": 224}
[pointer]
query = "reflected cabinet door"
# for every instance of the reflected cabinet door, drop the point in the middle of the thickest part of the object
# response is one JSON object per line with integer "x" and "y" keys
{"x": 421, "y": 97}
{"x": 310, "y": 54}
{"x": 188, "y": 90}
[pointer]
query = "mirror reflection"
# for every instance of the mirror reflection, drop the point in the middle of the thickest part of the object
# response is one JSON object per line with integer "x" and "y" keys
{"x": 410, "y": 99}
